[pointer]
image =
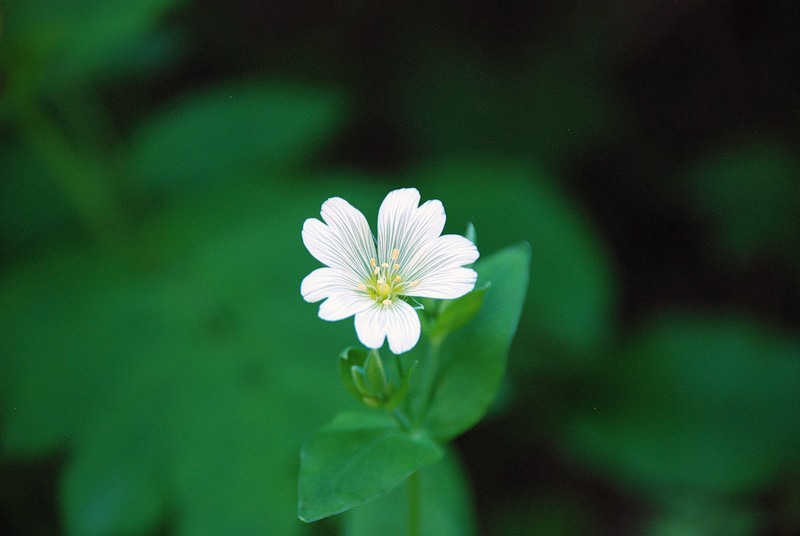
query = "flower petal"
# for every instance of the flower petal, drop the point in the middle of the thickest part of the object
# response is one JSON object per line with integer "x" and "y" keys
{"x": 341, "y": 306}
{"x": 343, "y": 297}
{"x": 321, "y": 283}
{"x": 445, "y": 284}
{"x": 405, "y": 226}
{"x": 437, "y": 268}
{"x": 345, "y": 242}
{"x": 399, "y": 322}
{"x": 371, "y": 326}
{"x": 404, "y": 328}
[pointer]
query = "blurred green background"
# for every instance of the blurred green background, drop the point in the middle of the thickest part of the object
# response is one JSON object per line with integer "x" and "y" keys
{"x": 159, "y": 369}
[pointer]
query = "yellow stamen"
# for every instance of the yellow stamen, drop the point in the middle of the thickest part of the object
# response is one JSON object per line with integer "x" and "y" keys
{"x": 395, "y": 254}
{"x": 414, "y": 283}
{"x": 385, "y": 265}
{"x": 395, "y": 267}
{"x": 373, "y": 263}
{"x": 362, "y": 286}
{"x": 397, "y": 279}
{"x": 376, "y": 271}
{"x": 387, "y": 301}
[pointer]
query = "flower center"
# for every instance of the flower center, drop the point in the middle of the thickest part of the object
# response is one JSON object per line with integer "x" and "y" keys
{"x": 385, "y": 282}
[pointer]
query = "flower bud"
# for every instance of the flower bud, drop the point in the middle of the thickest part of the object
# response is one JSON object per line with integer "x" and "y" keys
{"x": 364, "y": 376}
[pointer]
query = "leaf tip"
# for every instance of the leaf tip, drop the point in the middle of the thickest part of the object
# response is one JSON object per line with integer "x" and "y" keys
{"x": 302, "y": 514}
{"x": 525, "y": 246}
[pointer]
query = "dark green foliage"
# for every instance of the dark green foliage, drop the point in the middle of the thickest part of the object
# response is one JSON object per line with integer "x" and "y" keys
{"x": 159, "y": 370}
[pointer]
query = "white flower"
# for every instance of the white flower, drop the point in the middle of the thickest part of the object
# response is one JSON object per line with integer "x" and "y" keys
{"x": 411, "y": 259}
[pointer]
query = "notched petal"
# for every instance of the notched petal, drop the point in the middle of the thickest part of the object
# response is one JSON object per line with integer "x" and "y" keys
{"x": 405, "y": 226}
{"x": 371, "y": 326}
{"x": 404, "y": 328}
{"x": 318, "y": 240}
{"x": 319, "y": 284}
{"x": 344, "y": 240}
{"x": 398, "y": 201}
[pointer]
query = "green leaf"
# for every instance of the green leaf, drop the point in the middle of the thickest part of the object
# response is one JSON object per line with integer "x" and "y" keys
{"x": 53, "y": 49}
{"x": 446, "y": 506}
{"x": 356, "y": 458}
{"x": 232, "y": 131}
{"x": 45, "y": 311}
{"x": 706, "y": 404}
{"x": 473, "y": 360}
{"x": 454, "y": 314}
{"x": 118, "y": 498}
{"x": 570, "y": 302}
{"x": 31, "y": 205}
{"x": 111, "y": 485}
{"x": 700, "y": 514}
{"x": 230, "y": 372}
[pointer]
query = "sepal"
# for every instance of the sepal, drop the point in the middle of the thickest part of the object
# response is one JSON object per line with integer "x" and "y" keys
{"x": 365, "y": 376}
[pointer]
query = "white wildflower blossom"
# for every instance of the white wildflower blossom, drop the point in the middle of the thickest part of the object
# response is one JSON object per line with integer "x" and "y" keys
{"x": 369, "y": 280}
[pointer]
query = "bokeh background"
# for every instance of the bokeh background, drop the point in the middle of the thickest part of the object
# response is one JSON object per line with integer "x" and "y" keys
{"x": 159, "y": 370}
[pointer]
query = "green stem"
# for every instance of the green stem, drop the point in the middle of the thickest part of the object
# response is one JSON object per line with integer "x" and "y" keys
{"x": 414, "y": 510}
{"x": 431, "y": 379}
{"x": 400, "y": 370}
{"x": 401, "y": 418}
{"x": 79, "y": 177}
